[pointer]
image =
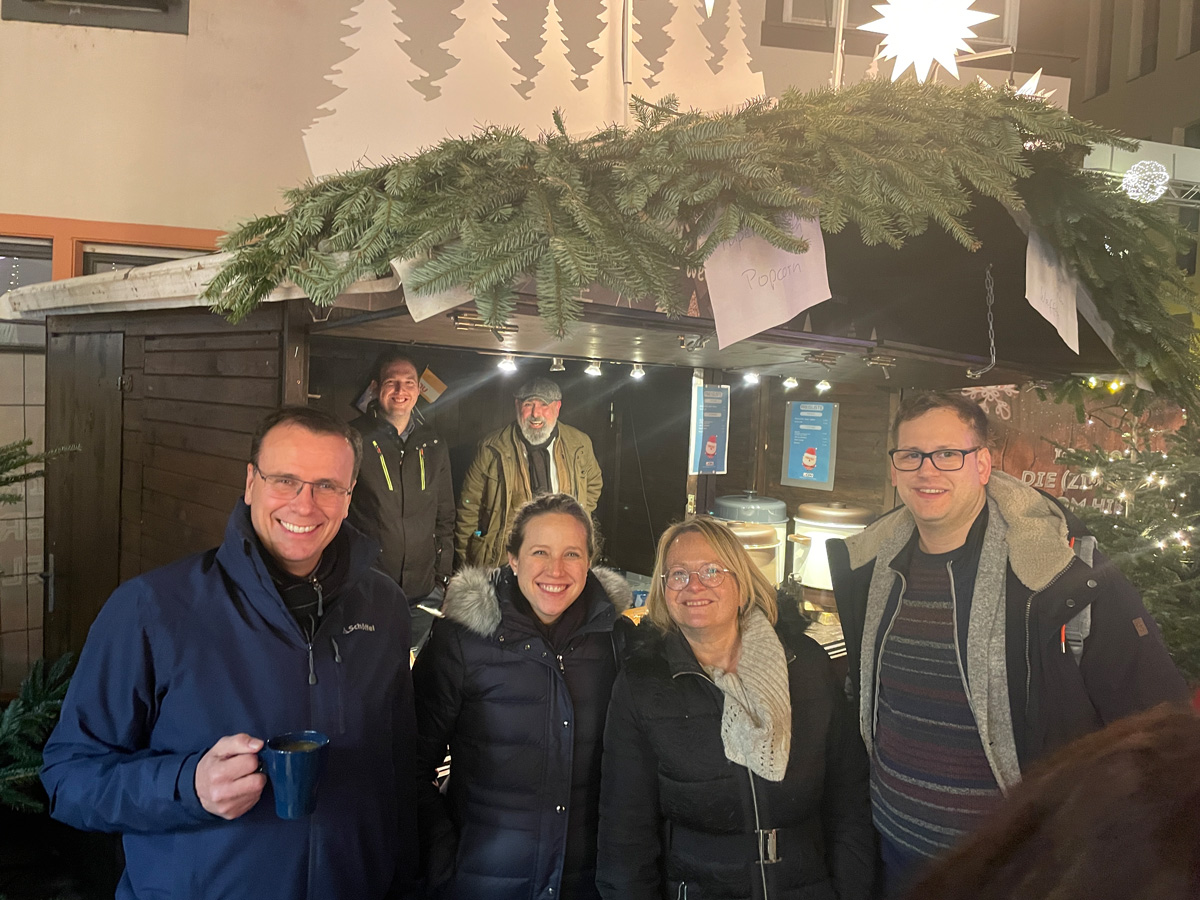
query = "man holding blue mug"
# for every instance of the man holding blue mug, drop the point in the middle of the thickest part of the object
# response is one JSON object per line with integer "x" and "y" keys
{"x": 189, "y": 669}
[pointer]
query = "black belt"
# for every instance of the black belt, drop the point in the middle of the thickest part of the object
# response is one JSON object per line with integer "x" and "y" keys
{"x": 770, "y": 845}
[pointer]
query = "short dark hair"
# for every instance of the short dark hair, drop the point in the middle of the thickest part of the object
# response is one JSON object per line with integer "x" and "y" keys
{"x": 549, "y": 503}
{"x": 1136, "y": 783}
{"x": 315, "y": 420}
{"x": 968, "y": 410}
{"x": 389, "y": 358}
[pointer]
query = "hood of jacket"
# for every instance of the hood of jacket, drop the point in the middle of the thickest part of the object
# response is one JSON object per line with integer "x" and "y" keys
{"x": 472, "y": 599}
{"x": 1034, "y": 527}
{"x": 240, "y": 555}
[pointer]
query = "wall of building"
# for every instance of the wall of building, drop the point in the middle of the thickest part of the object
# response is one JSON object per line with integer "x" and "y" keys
{"x": 1157, "y": 106}
{"x": 205, "y": 129}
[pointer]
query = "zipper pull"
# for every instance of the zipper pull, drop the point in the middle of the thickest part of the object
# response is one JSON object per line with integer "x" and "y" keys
{"x": 312, "y": 671}
{"x": 337, "y": 655}
{"x": 561, "y": 667}
{"x": 320, "y": 597}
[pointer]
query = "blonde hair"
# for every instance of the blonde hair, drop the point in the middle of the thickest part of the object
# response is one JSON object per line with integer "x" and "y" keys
{"x": 753, "y": 586}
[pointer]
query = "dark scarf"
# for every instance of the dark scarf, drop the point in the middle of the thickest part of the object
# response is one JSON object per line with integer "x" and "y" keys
{"x": 539, "y": 463}
{"x": 559, "y": 632}
{"x": 308, "y": 599}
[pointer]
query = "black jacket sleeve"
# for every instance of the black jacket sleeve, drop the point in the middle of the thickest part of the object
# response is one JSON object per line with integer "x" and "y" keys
{"x": 1125, "y": 664}
{"x": 630, "y": 843}
{"x": 438, "y": 689}
{"x": 846, "y": 802}
{"x": 443, "y": 529}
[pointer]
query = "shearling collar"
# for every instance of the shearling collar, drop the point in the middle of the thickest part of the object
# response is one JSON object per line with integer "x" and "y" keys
{"x": 472, "y": 600}
{"x": 1037, "y": 533}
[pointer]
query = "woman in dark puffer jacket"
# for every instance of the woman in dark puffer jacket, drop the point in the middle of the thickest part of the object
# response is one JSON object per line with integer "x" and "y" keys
{"x": 515, "y": 680}
{"x": 732, "y": 767}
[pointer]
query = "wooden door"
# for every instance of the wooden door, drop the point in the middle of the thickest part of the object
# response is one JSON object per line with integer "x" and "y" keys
{"x": 83, "y": 489}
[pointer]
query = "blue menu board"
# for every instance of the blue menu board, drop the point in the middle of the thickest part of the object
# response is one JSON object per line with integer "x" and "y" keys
{"x": 710, "y": 430}
{"x": 810, "y": 445}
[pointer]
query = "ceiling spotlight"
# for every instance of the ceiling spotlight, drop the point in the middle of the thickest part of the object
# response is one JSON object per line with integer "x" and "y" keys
{"x": 593, "y": 368}
{"x": 823, "y": 386}
{"x": 790, "y": 383}
{"x": 637, "y": 371}
{"x": 507, "y": 365}
{"x": 750, "y": 378}
{"x": 556, "y": 365}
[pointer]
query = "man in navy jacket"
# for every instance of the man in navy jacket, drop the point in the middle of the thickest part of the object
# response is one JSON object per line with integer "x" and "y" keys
{"x": 189, "y": 668}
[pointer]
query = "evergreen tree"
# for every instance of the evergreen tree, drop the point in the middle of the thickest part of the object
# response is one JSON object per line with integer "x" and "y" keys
{"x": 1150, "y": 531}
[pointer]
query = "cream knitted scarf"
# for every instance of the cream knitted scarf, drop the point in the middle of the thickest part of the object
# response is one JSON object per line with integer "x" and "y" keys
{"x": 756, "y": 724}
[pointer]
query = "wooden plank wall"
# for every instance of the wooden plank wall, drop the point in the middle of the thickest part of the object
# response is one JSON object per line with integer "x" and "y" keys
{"x": 756, "y": 441}
{"x": 196, "y": 388}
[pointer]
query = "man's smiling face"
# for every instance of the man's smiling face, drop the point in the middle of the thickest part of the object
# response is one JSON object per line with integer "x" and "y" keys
{"x": 944, "y": 504}
{"x": 296, "y": 530}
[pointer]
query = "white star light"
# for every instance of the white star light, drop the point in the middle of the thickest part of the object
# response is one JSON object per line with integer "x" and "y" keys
{"x": 1146, "y": 181}
{"x": 917, "y": 32}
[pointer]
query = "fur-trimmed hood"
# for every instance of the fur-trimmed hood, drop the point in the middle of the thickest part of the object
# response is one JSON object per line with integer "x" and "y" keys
{"x": 473, "y": 602}
{"x": 1035, "y": 530}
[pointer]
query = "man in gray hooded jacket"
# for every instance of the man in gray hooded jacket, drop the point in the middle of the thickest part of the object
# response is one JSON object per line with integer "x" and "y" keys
{"x": 984, "y": 628}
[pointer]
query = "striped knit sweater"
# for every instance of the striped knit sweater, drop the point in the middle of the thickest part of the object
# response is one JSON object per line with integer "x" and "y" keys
{"x": 930, "y": 779}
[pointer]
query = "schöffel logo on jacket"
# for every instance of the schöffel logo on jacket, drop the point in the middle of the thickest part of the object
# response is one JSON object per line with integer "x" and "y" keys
{"x": 358, "y": 626}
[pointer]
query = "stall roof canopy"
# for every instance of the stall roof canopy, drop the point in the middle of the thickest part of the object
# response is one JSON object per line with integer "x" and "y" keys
{"x": 914, "y": 316}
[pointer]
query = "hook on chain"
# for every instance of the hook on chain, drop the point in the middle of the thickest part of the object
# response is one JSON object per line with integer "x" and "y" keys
{"x": 990, "y": 288}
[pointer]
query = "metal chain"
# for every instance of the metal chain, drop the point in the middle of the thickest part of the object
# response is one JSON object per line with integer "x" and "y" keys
{"x": 990, "y": 287}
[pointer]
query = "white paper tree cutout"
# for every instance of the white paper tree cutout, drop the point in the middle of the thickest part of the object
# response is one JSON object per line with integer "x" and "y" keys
{"x": 378, "y": 114}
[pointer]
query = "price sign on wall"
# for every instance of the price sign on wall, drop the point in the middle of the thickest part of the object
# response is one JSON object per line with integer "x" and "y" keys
{"x": 810, "y": 445}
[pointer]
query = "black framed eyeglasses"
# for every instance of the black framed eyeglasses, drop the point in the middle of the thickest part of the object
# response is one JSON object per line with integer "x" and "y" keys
{"x": 948, "y": 460}
{"x": 285, "y": 487}
{"x": 710, "y": 575}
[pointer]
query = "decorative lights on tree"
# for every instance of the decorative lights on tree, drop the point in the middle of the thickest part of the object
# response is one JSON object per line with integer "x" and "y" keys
{"x": 919, "y": 32}
{"x": 1146, "y": 181}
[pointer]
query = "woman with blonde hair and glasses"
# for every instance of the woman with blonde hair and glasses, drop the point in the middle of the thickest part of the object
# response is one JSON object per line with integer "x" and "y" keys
{"x": 732, "y": 768}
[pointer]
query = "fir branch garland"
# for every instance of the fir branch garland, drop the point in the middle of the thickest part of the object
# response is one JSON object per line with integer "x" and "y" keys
{"x": 638, "y": 210}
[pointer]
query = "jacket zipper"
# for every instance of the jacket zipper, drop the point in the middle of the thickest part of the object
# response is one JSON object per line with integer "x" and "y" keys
{"x": 879, "y": 653}
{"x": 962, "y": 673}
{"x": 1028, "y": 616}
{"x": 387, "y": 476}
{"x": 762, "y": 866}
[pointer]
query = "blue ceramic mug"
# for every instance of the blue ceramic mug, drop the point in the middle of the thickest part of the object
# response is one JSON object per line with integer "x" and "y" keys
{"x": 294, "y": 762}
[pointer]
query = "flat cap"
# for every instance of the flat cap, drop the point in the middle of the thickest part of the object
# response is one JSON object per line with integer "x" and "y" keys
{"x": 539, "y": 388}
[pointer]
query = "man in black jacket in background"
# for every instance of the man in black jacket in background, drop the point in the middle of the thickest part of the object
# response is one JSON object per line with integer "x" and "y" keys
{"x": 405, "y": 498}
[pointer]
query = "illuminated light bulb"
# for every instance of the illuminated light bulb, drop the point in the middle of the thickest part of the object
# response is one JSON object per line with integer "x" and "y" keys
{"x": 823, "y": 386}
{"x": 1146, "y": 180}
{"x": 790, "y": 383}
{"x": 1115, "y": 385}
{"x": 1095, "y": 473}
{"x": 1090, "y": 422}
{"x": 750, "y": 378}
{"x": 507, "y": 365}
{"x": 1162, "y": 545}
{"x": 637, "y": 371}
{"x": 556, "y": 365}
{"x": 593, "y": 369}
{"x": 1092, "y": 382}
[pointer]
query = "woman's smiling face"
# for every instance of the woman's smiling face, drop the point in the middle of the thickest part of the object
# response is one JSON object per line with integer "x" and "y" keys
{"x": 552, "y": 565}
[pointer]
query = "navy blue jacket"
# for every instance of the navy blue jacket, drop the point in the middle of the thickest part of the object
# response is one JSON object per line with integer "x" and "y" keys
{"x": 525, "y": 728}
{"x": 203, "y": 648}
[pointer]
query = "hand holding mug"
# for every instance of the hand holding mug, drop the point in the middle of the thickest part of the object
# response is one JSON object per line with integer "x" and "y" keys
{"x": 228, "y": 781}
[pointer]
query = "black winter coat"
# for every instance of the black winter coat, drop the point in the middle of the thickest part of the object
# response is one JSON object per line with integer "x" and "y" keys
{"x": 679, "y": 820}
{"x": 524, "y": 727}
{"x": 404, "y": 500}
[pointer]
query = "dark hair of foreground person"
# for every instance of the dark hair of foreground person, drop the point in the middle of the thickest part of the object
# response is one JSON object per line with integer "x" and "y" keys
{"x": 1115, "y": 814}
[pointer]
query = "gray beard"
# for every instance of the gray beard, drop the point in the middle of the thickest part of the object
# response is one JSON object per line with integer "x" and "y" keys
{"x": 536, "y": 437}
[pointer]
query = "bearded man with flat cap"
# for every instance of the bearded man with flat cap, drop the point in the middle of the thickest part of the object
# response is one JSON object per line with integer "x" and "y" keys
{"x": 536, "y": 454}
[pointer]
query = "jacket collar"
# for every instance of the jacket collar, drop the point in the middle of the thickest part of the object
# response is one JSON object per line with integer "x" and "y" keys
{"x": 478, "y": 600}
{"x": 1034, "y": 526}
{"x": 241, "y": 558}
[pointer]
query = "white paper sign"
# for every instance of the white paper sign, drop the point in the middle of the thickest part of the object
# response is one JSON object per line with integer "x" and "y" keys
{"x": 754, "y": 285}
{"x": 1050, "y": 289}
{"x": 422, "y": 306}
